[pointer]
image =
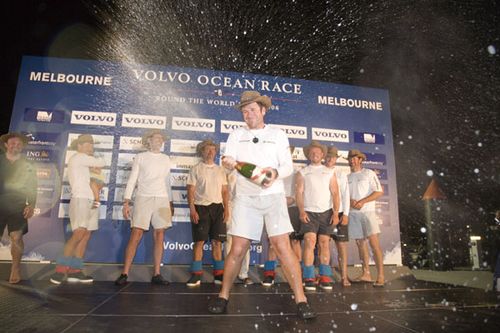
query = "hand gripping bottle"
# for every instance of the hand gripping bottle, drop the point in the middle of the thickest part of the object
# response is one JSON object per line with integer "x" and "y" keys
{"x": 254, "y": 173}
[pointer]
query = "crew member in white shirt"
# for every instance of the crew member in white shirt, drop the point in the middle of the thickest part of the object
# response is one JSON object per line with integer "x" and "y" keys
{"x": 317, "y": 197}
{"x": 365, "y": 188}
{"x": 256, "y": 205}
{"x": 208, "y": 199}
{"x": 153, "y": 203}
{"x": 82, "y": 215}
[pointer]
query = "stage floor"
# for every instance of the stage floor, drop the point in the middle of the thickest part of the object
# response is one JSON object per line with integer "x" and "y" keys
{"x": 404, "y": 305}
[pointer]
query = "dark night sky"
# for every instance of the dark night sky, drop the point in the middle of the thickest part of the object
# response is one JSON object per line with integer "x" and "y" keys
{"x": 438, "y": 59}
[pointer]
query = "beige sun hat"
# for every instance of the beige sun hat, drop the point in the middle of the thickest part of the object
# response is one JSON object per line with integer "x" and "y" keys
{"x": 250, "y": 96}
{"x": 313, "y": 144}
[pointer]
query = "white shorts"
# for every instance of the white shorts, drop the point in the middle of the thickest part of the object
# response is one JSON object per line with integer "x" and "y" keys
{"x": 151, "y": 210}
{"x": 82, "y": 215}
{"x": 251, "y": 212}
{"x": 362, "y": 224}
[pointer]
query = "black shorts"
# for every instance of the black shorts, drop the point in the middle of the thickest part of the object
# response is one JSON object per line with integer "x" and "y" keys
{"x": 211, "y": 223}
{"x": 11, "y": 215}
{"x": 319, "y": 223}
{"x": 293, "y": 212}
{"x": 340, "y": 232}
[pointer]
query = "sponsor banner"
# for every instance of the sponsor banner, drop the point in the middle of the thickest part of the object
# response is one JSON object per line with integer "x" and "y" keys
{"x": 44, "y": 116}
{"x": 328, "y": 134}
{"x": 42, "y": 212}
{"x": 132, "y": 143}
{"x": 64, "y": 211}
{"x": 144, "y": 121}
{"x": 373, "y": 159}
{"x": 100, "y": 141}
{"x": 42, "y": 139}
{"x": 373, "y": 138}
{"x": 105, "y": 172}
{"x": 183, "y": 162}
{"x": 183, "y": 146}
{"x": 227, "y": 126}
{"x": 42, "y": 155}
{"x": 93, "y": 118}
{"x": 106, "y": 156}
{"x": 66, "y": 193}
{"x": 178, "y": 179}
{"x": 293, "y": 132}
{"x": 386, "y": 189}
{"x": 193, "y": 124}
{"x": 179, "y": 197}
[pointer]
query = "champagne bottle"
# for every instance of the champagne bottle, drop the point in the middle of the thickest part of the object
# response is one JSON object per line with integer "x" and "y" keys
{"x": 254, "y": 173}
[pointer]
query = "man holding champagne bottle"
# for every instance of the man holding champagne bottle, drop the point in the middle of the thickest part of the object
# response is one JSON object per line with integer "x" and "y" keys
{"x": 262, "y": 157}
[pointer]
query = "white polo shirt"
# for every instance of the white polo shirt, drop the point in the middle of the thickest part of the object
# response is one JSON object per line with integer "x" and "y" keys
{"x": 363, "y": 183}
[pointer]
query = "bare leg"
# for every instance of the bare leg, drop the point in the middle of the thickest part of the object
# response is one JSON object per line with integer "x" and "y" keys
{"x": 216, "y": 250}
{"x": 365, "y": 260}
{"x": 232, "y": 264}
{"x": 16, "y": 249}
{"x": 309, "y": 245}
{"x": 342, "y": 251}
{"x": 82, "y": 244}
{"x": 324, "y": 249}
{"x": 133, "y": 242}
{"x": 70, "y": 248}
{"x": 297, "y": 248}
{"x": 378, "y": 257}
{"x": 158, "y": 237}
{"x": 290, "y": 265}
{"x": 198, "y": 250}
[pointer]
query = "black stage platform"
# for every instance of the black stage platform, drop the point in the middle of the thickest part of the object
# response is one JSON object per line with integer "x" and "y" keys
{"x": 404, "y": 305}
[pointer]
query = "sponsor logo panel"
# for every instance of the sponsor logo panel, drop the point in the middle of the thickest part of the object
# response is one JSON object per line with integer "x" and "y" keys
{"x": 374, "y": 159}
{"x": 381, "y": 173}
{"x": 328, "y": 134}
{"x": 122, "y": 176}
{"x": 131, "y": 143}
{"x": 181, "y": 214}
{"x": 179, "y": 197}
{"x": 178, "y": 179}
{"x": 42, "y": 139}
{"x": 144, "y": 121}
{"x": 193, "y": 124}
{"x": 293, "y": 132}
{"x": 183, "y": 162}
{"x": 44, "y": 116}
{"x": 93, "y": 118}
{"x": 371, "y": 138}
{"x": 183, "y": 146}
{"x": 227, "y": 126}
{"x": 42, "y": 155}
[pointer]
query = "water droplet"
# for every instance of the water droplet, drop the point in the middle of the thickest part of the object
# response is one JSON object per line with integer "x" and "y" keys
{"x": 430, "y": 173}
{"x": 354, "y": 306}
{"x": 423, "y": 230}
{"x": 491, "y": 49}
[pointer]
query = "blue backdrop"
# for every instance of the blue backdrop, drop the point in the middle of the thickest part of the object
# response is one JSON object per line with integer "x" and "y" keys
{"x": 57, "y": 99}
